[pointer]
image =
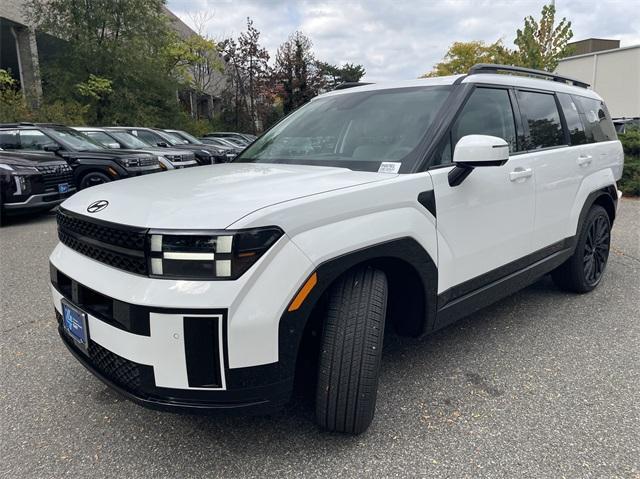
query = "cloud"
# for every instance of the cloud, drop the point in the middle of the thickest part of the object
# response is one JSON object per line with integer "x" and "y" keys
{"x": 402, "y": 39}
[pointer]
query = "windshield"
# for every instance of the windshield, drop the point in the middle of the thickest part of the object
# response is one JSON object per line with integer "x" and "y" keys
{"x": 177, "y": 137}
{"x": 75, "y": 140}
{"x": 358, "y": 130}
{"x": 183, "y": 135}
{"x": 128, "y": 140}
{"x": 168, "y": 138}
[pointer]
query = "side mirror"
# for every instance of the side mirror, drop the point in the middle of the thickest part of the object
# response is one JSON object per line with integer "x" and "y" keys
{"x": 52, "y": 148}
{"x": 474, "y": 151}
{"x": 163, "y": 144}
{"x": 113, "y": 146}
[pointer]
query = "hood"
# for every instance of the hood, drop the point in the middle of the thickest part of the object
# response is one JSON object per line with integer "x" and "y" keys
{"x": 211, "y": 197}
{"x": 29, "y": 159}
{"x": 104, "y": 155}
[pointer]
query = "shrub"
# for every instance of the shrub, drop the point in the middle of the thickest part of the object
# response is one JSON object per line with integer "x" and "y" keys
{"x": 630, "y": 182}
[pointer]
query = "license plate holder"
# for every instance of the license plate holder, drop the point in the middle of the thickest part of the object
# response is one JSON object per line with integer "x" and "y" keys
{"x": 75, "y": 325}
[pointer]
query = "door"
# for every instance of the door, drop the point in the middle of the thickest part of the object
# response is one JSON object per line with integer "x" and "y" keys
{"x": 487, "y": 221}
{"x": 559, "y": 167}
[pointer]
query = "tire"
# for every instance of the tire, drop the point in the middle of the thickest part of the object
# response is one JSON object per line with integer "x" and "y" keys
{"x": 584, "y": 270}
{"x": 93, "y": 178}
{"x": 350, "y": 352}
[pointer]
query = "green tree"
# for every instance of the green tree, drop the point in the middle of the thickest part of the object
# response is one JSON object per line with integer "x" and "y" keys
{"x": 542, "y": 44}
{"x": 461, "y": 56}
{"x": 335, "y": 75}
{"x": 297, "y": 71}
{"x": 124, "y": 43}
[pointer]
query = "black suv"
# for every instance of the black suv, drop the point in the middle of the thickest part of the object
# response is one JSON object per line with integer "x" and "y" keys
{"x": 92, "y": 164}
{"x": 155, "y": 137}
{"x": 31, "y": 182}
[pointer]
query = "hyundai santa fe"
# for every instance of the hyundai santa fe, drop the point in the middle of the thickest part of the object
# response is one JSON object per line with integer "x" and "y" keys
{"x": 404, "y": 206}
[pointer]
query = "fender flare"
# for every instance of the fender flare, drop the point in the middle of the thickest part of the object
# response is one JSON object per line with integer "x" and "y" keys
{"x": 607, "y": 197}
{"x": 293, "y": 323}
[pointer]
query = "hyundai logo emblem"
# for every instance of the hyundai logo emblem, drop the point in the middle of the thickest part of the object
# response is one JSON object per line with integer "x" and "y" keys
{"x": 97, "y": 206}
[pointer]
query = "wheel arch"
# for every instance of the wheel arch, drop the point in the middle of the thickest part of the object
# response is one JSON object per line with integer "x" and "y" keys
{"x": 606, "y": 197}
{"x": 412, "y": 278}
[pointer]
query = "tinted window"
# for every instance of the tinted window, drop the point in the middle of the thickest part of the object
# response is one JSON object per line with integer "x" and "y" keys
{"x": 34, "y": 140}
{"x": 487, "y": 112}
{"x": 148, "y": 137}
{"x": 9, "y": 139}
{"x": 100, "y": 136}
{"x": 599, "y": 124}
{"x": 358, "y": 130}
{"x": 541, "y": 112}
{"x": 573, "y": 118}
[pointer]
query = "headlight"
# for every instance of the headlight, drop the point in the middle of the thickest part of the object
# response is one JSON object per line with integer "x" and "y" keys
{"x": 19, "y": 169}
{"x": 21, "y": 183}
{"x": 138, "y": 162}
{"x": 208, "y": 256}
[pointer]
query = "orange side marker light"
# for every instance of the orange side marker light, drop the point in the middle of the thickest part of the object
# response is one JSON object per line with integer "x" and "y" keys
{"x": 303, "y": 293}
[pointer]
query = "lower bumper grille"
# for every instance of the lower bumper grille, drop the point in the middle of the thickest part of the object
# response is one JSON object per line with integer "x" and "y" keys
{"x": 121, "y": 371}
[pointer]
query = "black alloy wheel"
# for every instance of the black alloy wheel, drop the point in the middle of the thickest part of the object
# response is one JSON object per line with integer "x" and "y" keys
{"x": 596, "y": 249}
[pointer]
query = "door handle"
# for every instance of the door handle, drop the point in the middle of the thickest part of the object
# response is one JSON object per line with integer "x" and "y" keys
{"x": 520, "y": 174}
{"x": 584, "y": 160}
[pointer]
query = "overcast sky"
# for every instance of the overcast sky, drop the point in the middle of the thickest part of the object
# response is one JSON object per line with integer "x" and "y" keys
{"x": 397, "y": 40}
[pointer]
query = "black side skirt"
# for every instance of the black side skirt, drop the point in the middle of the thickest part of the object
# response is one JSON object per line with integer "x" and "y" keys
{"x": 475, "y": 294}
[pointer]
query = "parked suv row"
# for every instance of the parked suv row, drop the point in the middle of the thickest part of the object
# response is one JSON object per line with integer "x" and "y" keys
{"x": 170, "y": 158}
{"x": 92, "y": 164}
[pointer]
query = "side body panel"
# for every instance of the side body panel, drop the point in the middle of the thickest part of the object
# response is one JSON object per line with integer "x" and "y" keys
{"x": 484, "y": 222}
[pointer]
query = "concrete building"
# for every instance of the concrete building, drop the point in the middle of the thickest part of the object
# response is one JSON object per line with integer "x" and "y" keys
{"x": 23, "y": 49}
{"x": 612, "y": 72}
{"x": 19, "y": 49}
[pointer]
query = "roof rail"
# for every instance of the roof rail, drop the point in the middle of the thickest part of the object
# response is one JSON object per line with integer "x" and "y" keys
{"x": 350, "y": 84}
{"x": 495, "y": 68}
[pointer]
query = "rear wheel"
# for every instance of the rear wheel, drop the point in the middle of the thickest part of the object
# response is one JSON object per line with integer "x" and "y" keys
{"x": 92, "y": 179}
{"x": 583, "y": 271}
{"x": 350, "y": 352}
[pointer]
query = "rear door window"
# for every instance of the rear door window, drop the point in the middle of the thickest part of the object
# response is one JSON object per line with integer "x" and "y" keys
{"x": 598, "y": 121}
{"x": 577, "y": 134}
{"x": 542, "y": 118}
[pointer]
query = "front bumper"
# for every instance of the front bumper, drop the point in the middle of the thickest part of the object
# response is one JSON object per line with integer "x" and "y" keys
{"x": 155, "y": 328}
{"x": 38, "y": 202}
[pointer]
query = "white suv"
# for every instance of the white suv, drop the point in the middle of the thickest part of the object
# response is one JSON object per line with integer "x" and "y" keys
{"x": 411, "y": 204}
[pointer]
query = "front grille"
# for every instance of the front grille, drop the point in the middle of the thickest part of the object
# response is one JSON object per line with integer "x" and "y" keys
{"x": 180, "y": 158}
{"x": 114, "y": 245}
{"x": 117, "y": 369}
{"x": 53, "y": 175}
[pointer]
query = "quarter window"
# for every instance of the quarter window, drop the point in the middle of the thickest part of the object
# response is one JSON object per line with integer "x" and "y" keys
{"x": 577, "y": 134}
{"x": 599, "y": 124}
{"x": 543, "y": 119}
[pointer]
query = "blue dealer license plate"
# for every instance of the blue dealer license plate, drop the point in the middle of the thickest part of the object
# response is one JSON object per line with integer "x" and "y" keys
{"x": 74, "y": 323}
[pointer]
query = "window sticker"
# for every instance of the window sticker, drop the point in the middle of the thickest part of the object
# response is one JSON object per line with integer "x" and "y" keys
{"x": 389, "y": 167}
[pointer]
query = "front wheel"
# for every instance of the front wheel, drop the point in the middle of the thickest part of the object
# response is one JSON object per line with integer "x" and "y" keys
{"x": 92, "y": 179}
{"x": 351, "y": 351}
{"x": 583, "y": 271}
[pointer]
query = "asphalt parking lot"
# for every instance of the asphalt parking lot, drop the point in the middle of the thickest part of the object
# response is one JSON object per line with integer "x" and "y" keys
{"x": 541, "y": 384}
